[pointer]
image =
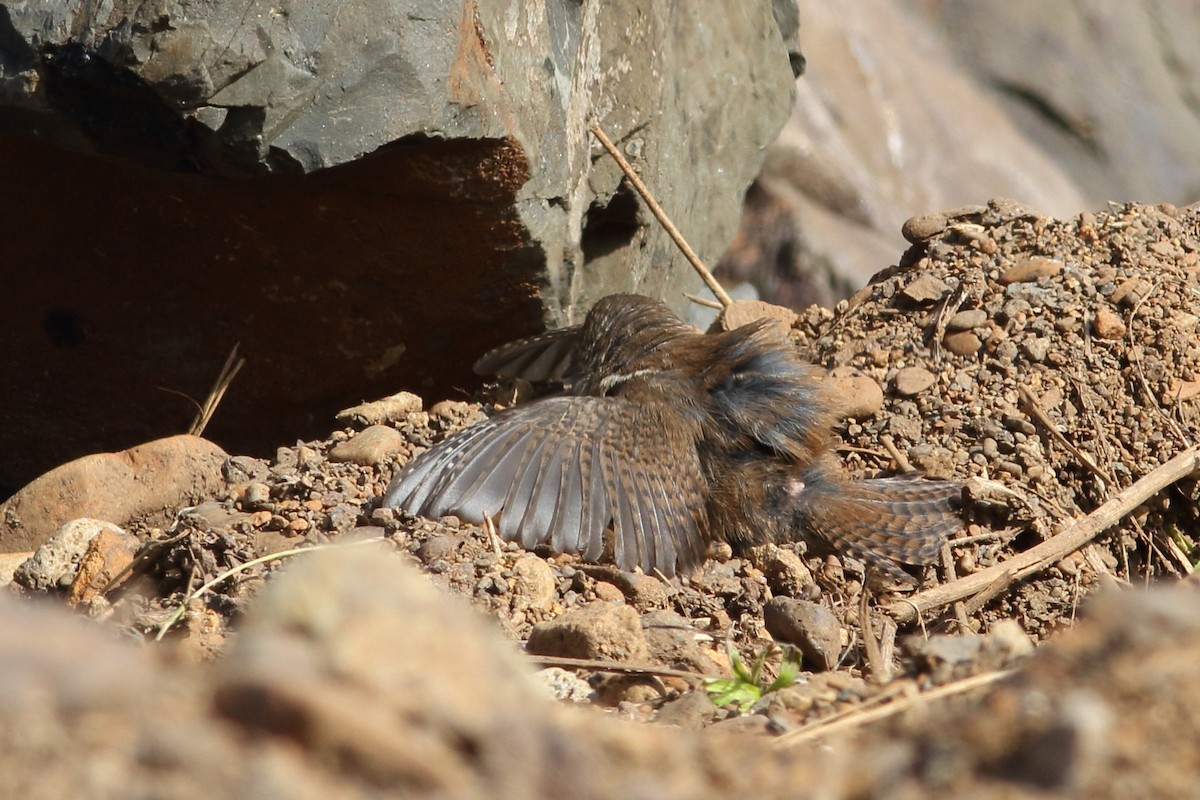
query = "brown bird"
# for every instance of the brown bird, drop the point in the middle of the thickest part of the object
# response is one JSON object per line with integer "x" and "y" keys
{"x": 671, "y": 438}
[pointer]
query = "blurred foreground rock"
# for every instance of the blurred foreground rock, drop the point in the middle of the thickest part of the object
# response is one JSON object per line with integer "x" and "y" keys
{"x": 354, "y": 675}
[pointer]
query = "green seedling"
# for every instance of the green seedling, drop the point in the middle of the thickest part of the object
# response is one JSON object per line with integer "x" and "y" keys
{"x": 748, "y": 684}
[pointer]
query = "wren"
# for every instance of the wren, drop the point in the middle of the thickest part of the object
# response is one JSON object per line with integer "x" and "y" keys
{"x": 670, "y": 439}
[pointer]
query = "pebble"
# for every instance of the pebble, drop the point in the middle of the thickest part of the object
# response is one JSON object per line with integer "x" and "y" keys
{"x": 810, "y": 626}
{"x": 1036, "y": 349}
{"x": 967, "y": 319}
{"x": 853, "y": 394}
{"x": 533, "y": 583}
{"x": 911, "y": 381}
{"x": 962, "y": 343}
{"x": 743, "y": 312}
{"x": 371, "y": 447}
{"x": 107, "y": 555}
{"x": 56, "y": 563}
{"x": 1107, "y": 324}
{"x": 923, "y": 226}
{"x": 1030, "y": 269}
{"x": 608, "y": 631}
{"x": 926, "y": 289}
{"x": 390, "y": 409}
{"x": 786, "y": 573}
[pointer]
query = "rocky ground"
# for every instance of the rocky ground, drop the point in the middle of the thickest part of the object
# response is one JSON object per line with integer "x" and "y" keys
{"x": 1050, "y": 364}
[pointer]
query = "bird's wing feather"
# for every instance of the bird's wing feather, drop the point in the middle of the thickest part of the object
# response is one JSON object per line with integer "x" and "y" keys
{"x": 561, "y": 471}
{"x": 548, "y": 356}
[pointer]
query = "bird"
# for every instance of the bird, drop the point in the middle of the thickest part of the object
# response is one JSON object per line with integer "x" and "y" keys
{"x": 664, "y": 439}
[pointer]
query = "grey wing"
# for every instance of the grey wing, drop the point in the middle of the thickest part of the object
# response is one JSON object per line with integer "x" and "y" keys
{"x": 562, "y": 471}
{"x": 547, "y": 357}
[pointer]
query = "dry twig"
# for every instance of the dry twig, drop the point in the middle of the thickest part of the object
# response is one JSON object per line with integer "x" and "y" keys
{"x": 663, "y": 219}
{"x": 862, "y": 717}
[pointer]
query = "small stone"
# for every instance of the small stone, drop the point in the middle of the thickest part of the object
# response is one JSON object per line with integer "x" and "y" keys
{"x": 962, "y": 343}
{"x": 56, "y": 563}
{"x": 923, "y": 226}
{"x": 435, "y": 548}
{"x": 614, "y": 690}
{"x": 390, "y": 409}
{"x": 257, "y": 496}
{"x": 450, "y": 409}
{"x": 563, "y": 684}
{"x": 1107, "y": 324}
{"x": 371, "y": 447}
{"x": 108, "y": 553}
{"x": 945, "y": 657}
{"x": 643, "y": 592}
{"x": 853, "y": 394}
{"x": 967, "y": 319}
{"x": 926, "y": 289}
{"x": 786, "y": 573}
{"x": 1035, "y": 349}
{"x": 743, "y": 312}
{"x": 533, "y": 583}
{"x": 608, "y": 592}
{"x": 1030, "y": 269}
{"x": 690, "y": 711}
{"x": 609, "y": 631}
{"x": 911, "y": 381}
{"x": 1129, "y": 293}
{"x": 810, "y": 626}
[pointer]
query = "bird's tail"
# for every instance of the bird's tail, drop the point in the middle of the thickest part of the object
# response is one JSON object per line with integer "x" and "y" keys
{"x": 884, "y": 521}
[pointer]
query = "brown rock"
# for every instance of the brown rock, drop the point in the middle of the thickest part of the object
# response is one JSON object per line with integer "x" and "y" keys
{"x": 925, "y": 289}
{"x": 690, "y": 711}
{"x": 1129, "y": 293}
{"x": 390, "y": 409}
{"x": 616, "y": 689}
{"x": 608, "y": 631}
{"x": 786, "y": 572}
{"x": 962, "y": 343}
{"x": 608, "y": 592}
{"x": 923, "y": 226}
{"x": 114, "y": 487}
{"x": 643, "y": 592}
{"x": 853, "y": 393}
{"x": 672, "y": 641}
{"x": 1107, "y": 324}
{"x": 56, "y": 563}
{"x": 1030, "y": 269}
{"x": 742, "y": 312}
{"x": 108, "y": 553}
{"x": 532, "y": 583}
{"x": 810, "y": 626}
{"x": 370, "y": 447}
{"x": 967, "y": 319}
{"x": 911, "y": 381}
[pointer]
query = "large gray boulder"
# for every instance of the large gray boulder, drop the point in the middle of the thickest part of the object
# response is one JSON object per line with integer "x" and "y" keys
{"x": 366, "y": 194}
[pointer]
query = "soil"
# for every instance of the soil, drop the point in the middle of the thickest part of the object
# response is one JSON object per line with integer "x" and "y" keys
{"x": 1048, "y": 363}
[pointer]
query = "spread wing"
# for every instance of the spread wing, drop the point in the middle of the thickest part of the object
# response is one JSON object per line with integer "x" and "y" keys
{"x": 561, "y": 471}
{"x": 547, "y": 357}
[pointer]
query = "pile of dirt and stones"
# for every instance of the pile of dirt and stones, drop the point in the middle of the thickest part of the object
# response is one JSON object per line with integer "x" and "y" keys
{"x": 1050, "y": 364}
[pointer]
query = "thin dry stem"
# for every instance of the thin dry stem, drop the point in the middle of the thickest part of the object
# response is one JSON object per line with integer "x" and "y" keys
{"x": 866, "y": 716}
{"x": 663, "y": 219}
{"x": 233, "y": 364}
